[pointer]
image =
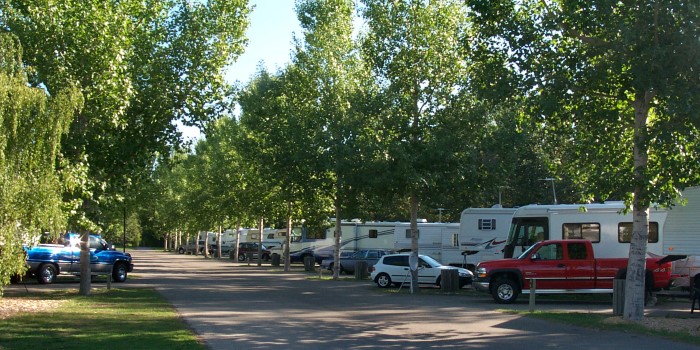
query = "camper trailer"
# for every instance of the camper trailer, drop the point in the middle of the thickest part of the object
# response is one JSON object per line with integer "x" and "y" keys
{"x": 483, "y": 233}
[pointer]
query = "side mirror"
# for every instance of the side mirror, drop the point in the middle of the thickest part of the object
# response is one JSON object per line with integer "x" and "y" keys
{"x": 535, "y": 257}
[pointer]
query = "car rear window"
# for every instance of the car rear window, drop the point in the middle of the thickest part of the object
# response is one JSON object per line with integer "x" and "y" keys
{"x": 396, "y": 260}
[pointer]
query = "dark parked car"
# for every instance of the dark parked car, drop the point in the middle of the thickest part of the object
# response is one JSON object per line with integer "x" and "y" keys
{"x": 250, "y": 249}
{"x": 349, "y": 261}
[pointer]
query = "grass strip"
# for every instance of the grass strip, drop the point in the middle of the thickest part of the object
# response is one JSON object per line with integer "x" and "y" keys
{"x": 601, "y": 322}
{"x": 108, "y": 319}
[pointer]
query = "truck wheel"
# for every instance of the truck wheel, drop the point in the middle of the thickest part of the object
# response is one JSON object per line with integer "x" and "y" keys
{"x": 241, "y": 257}
{"x": 181, "y": 250}
{"x": 383, "y": 280}
{"x": 47, "y": 274}
{"x": 504, "y": 291}
{"x": 119, "y": 272}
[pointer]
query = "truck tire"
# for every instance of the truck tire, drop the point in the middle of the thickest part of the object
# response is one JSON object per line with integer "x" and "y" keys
{"x": 504, "y": 290}
{"x": 47, "y": 274}
{"x": 119, "y": 272}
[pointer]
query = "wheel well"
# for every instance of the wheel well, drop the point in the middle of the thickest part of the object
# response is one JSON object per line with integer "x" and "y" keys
{"x": 55, "y": 266}
{"x": 507, "y": 275}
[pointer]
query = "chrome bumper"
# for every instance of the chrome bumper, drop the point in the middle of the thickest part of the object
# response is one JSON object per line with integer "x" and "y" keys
{"x": 481, "y": 286}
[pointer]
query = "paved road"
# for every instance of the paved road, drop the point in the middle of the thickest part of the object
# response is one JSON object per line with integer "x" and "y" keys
{"x": 234, "y": 306}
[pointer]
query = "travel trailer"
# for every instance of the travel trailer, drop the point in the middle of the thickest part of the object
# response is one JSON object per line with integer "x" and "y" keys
{"x": 483, "y": 233}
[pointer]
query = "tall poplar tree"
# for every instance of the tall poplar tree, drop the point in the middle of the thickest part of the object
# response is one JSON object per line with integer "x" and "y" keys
{"x": 414, "y": 50}
{"x": 615, "y": 85}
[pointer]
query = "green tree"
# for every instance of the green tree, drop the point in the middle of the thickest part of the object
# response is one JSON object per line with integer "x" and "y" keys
{"x": 33, "y": 123}
{"x": 614, "y": 86}
{"x": 414, "y": 49}
{"x": 140, "y": 66}
{"x": 329, "y": 58}
{"x": 280, "y": 147}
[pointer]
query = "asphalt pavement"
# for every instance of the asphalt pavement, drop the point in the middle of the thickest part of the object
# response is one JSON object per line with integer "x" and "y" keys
{"x": 231, "y": 305}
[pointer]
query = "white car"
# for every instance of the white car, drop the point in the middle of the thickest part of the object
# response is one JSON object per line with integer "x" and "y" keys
{"x": 394, "y": 269}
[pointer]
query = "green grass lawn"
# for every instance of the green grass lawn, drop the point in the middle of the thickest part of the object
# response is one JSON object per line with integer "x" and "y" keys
{"x": 107, "y": 319}
{"x": 597, "y": 321}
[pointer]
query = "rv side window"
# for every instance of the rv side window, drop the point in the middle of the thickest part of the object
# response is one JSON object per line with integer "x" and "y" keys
{"x": 624, "y": 232}
{"x": 373, "y": 234}
{"x": 587, "y": 231}
{"x": 408, "y": 233}
{"x": 487, "y": 224}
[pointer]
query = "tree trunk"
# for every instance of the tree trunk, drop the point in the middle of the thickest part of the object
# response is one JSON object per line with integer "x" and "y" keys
{"x": 338, "y": 232}
{"x": 196, "y": 244}
{"x": 85, "y": 281}
{"x": 260, "y": 235}
{"x": 218, "y": 244}
{"x": 206, "y": 244}
{"x": 414, "y": 242}
{"x": 238, "y": 241}
{"x": 636, "y": 266}
{"x": 288, "y": 238}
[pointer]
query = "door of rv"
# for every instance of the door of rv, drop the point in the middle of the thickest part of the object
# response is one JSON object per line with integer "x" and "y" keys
{"x": 524, "y": 232}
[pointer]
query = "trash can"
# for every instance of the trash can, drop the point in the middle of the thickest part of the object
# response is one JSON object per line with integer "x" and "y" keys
{"x": 618, "y": 296}
{"x": 361, "y": 270}
{"x": 449, "y": 280}
{"x": 275, "y": 259}
{"x": 309, "y": 263}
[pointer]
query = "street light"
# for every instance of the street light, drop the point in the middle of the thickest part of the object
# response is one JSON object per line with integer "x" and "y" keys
{"x": 554, "y": 191}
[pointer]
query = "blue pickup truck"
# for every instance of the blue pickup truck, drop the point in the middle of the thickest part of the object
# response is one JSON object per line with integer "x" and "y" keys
{"x": 47, "y": 261}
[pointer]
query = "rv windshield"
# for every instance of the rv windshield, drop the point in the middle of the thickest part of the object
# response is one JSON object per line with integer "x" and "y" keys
{"x": 525, "y": 232}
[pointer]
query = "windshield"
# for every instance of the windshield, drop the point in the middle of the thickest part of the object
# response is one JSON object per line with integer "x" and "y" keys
{"x": 430, "y": 261}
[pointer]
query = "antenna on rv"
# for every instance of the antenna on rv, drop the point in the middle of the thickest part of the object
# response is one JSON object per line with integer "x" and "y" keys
{"x": 440, "y": 213}
{"x": 500, "y": 203}
{"x": 554, "y": 191}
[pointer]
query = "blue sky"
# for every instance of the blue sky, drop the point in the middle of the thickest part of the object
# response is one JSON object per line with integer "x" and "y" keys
{"x": 273, "y": 24}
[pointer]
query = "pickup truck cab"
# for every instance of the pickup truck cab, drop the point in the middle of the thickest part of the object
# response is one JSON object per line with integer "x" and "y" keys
{"x": 47, "y": 261}
{"x": 561, "y": 266}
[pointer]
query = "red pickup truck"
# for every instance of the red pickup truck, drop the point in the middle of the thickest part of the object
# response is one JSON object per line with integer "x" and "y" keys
{"x": 561, "y": 266}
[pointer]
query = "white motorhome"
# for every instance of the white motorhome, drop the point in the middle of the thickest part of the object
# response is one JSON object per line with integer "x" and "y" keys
{"x": 354, "y": 236}
{"x": 673, "y": 232}
{"x": 438, "y": 240}
{"x": 681, "y": 237}
{"x": 483, "y": 233}
{"x": 605, "y": 225}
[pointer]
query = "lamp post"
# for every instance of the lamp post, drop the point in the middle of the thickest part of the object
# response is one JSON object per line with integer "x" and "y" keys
{"x": 124, "y": 237}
